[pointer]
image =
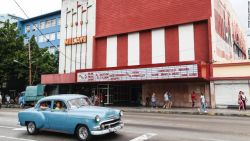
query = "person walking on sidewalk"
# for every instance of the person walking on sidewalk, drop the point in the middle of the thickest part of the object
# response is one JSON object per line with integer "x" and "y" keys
{"x": 153, "y": 100}
{"x": 244, "y": 99}
{"x": 166, "y": 100}
{"x": 240, "y": 102}
{"x": 193, "y": 98}
{"x": 170, "y": 102}
{"x": 203, "y": 103}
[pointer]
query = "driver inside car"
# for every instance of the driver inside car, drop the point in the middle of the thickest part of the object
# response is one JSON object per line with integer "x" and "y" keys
{"x": 43, "y": 106}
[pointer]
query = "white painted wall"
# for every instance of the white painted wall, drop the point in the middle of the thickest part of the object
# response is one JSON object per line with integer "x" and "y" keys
{"x": 133, "y": 49}
{"x": 186, "y": 42}
{"x": 158, "y": 46}
{"x": 77, "y": 56}
{"x": 111, "y": 51}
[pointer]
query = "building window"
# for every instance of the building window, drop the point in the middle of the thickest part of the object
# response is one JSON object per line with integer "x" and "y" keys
{"x": 27, "y": 28}
{"x": 47, "y": 37}
{"x": 35, "y": 26}
{"x": 42, "y": 25}
{"x": 52, "y": 36}
{"x": 40, "y": 39}
{"x": 58, "y": 35}
{"x": 53, "y": 22}
{"x": 59, "y": 21}
{"x": 48, "y": 24}
{"x": 52, "y": 49}
{"x": 36, "y": 38}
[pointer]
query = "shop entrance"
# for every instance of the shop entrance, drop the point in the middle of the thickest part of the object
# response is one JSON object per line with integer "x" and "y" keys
{"x": 105, "y": 95}
{"x": 119, "y": 95}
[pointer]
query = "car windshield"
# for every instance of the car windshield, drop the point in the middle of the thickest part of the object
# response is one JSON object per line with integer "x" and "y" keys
{"x": 79, "y": 102}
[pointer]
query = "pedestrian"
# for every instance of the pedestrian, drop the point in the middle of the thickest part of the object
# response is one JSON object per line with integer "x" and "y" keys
{"x": 203, "y": 103}
{"x": 7, "y": 97}
{"x": 1, "y": 100}
{"x": 244, "y": 100}
{"x": 170, "y": 102}
{"x": 166, "y": 100}
{"x": 148, "y": 101}
{"x": 193, "y": 98}
{"x": 240, "y": 102}
{"x": 153, "y": 100}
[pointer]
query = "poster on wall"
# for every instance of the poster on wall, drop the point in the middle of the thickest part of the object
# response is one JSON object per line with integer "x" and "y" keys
{"x": 153, "y": 73}
{"x": 228, "y": 32}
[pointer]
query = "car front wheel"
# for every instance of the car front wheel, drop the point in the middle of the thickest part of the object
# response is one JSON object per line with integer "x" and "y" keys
{"x": 83, "y": 133}
{"x": 31, "y": 128}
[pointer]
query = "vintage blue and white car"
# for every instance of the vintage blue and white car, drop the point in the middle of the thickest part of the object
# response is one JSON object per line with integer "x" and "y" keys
{"x": 72, "y": 114}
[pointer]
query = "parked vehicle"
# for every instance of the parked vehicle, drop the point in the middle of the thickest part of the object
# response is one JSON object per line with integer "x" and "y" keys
{"x": 72, "y": 114}
{"x": 31, "y": 95}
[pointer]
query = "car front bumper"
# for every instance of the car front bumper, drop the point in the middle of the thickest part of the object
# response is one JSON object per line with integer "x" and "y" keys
{"x": 109, "y": 130}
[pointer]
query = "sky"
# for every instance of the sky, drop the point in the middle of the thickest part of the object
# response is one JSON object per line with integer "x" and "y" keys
{"x": 241, "y": 9}
{"x": 31, "y": 7}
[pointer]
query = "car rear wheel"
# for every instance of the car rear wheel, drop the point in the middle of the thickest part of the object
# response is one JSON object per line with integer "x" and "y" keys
{"x": 31, "y": 128}
{"x": 83, "y": 133}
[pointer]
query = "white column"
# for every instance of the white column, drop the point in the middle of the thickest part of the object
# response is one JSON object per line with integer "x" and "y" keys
{"x": 158, "y": 46}
{"x": 111, "y": 59}
{"x": 134, "y": 49}
{"x": 186, "y": 42}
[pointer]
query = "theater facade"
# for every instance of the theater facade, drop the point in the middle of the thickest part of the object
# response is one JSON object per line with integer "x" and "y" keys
{"x": 124, "y": 50}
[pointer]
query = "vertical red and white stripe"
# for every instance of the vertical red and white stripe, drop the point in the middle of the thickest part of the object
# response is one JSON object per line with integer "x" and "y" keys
{"x": 163, "y": 45}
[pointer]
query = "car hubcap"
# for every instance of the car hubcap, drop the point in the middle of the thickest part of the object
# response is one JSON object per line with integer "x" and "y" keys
{"x": 83, "y": 133}
{"x": 31, "y": 127}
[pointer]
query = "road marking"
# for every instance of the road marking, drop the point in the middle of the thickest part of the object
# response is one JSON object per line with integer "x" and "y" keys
{"x": 8, "y": 127}
{"x": 20, "y": 139}
{"x": 207, "y": 139}
{"x": 144, "y": 137}
{"x": 20, "y": 129}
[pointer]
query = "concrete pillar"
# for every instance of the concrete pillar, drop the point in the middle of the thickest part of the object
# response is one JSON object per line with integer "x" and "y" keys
{"x": 212, "y": 95}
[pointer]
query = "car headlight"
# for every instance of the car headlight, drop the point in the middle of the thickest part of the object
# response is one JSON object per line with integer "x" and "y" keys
{"x": 97, "y": 118}
{"x": 121, "y": 113}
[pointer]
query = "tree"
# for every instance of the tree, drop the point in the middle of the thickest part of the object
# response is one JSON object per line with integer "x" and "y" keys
{"x": 10, "y": 43}
{"x": 12, "y": 48}
{"x": 43, "y": 62}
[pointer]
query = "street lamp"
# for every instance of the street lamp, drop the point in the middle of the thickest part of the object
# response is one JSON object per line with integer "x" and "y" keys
{"x": 29, "y": 67}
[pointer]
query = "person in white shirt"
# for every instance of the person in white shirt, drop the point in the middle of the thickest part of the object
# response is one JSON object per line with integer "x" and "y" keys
{"x": 166, "y": 100}
{"x": 203, "y": 103}
{"x": 1, "y": 101}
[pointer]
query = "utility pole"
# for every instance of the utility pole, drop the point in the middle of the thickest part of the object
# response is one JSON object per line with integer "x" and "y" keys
{"x": 30, "y": 78}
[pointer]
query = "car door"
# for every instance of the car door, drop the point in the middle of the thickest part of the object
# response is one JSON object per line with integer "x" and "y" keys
{"x": 44, "y": 107}
{"x": 58, "y": 117}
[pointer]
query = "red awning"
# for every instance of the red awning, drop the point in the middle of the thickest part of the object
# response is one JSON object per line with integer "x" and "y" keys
{"x": 58, "y": 78}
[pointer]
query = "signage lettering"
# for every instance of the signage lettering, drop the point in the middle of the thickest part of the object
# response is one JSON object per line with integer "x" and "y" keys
{"x": 153, "y": 73}
{"x": 74, "y": 41}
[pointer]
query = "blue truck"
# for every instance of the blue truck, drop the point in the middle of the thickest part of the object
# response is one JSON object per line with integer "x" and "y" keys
{"x": 31, "y": 95}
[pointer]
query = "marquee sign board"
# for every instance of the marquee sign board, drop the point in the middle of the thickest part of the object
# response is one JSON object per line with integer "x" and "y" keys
{"x": 153, "y": 73}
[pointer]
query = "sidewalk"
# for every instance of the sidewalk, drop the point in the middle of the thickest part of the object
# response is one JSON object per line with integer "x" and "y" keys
{"x": 188, "y": 111}
{"x": 184, "y": 111}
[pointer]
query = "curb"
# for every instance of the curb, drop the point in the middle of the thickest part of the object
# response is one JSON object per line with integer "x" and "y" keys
{"x": 187, "y": 113}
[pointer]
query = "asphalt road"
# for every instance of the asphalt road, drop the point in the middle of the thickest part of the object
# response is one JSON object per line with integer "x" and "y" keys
{"x": 144, "y": 126}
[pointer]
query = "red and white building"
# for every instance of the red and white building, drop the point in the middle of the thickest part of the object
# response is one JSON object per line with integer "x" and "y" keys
{"x": 124, "y": 50}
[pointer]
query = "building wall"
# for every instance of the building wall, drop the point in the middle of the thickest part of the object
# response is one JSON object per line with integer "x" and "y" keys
{"x": 180, "y": 92}
{"x": 78, "y": 20}
{"x": 41, "y": 40}
{"x": 228, "y": 37}
{"x": 179, "y": 43}
{"x": 123, "y": 16}
{"x": 226, "y": 92}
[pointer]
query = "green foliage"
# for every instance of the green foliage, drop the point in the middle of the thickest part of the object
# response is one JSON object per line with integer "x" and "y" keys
{"x": 12, "y": 48}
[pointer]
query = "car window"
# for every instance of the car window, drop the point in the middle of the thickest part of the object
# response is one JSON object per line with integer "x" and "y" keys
{"x": 45, "y": 105}
{"x": 59, "y": 105}
{"x": 79, "y": 102}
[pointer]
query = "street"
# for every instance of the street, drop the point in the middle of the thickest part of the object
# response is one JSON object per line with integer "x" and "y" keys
{"x": 144, "y": 126}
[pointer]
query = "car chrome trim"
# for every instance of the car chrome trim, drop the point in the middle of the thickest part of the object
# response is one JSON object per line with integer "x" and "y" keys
{"x": 109, "y": 130}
